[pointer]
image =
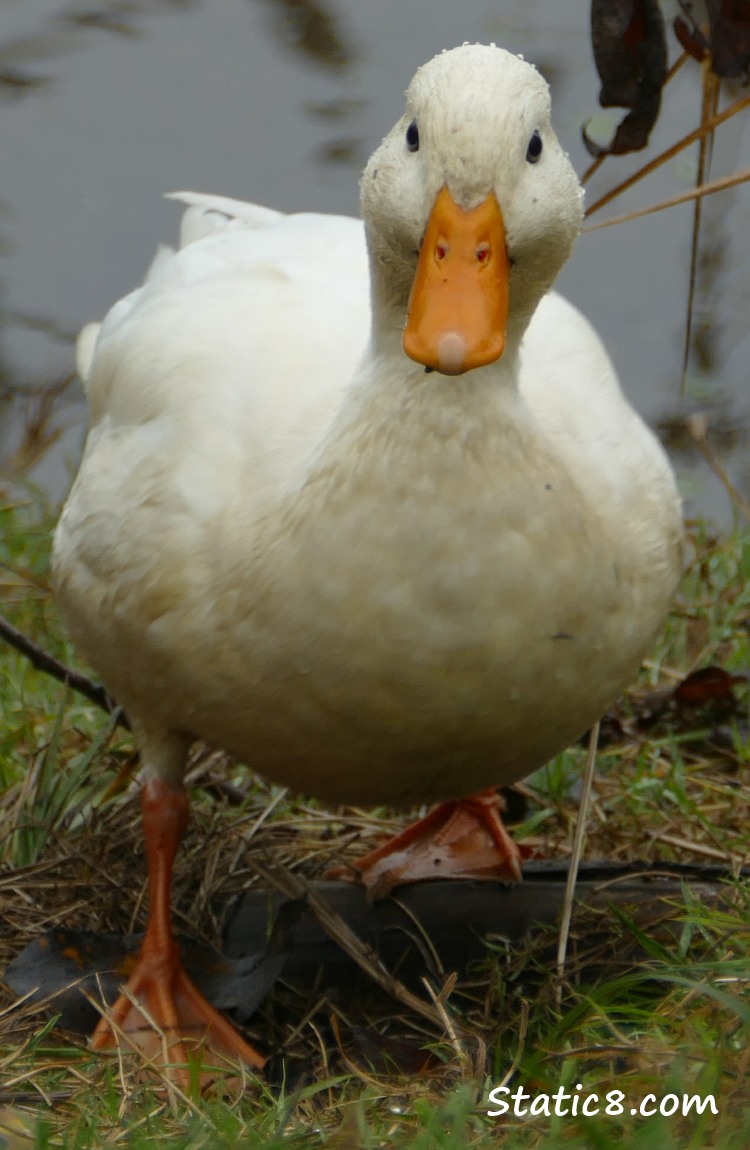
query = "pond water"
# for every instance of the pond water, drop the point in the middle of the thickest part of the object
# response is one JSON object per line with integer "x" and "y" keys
{"x": 107, "y": 105}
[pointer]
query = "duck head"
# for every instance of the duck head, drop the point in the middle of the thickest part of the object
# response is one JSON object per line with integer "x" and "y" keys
{"x": 471, "y": 209}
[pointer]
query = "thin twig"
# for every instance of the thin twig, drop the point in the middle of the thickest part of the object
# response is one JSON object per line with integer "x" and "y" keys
{"x": 45, "y": 662}
{"x": 575, "y": 858}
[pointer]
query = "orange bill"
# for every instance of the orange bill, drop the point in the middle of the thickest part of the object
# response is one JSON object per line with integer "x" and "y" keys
{"x": 458, "y": 306}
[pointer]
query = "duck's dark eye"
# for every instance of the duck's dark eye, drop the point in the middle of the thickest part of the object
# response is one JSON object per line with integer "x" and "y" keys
{"x": 534, "y": 150}
{"x": 412, "y": 137}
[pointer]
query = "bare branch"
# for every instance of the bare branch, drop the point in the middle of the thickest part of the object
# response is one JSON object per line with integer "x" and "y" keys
{"x": 43, "y": 661}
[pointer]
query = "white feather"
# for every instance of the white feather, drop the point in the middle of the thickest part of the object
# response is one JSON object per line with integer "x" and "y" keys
{"x": 371, "y": 583}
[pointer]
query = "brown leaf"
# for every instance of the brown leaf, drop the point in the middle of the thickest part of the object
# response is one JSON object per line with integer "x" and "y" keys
{"x": 730, "y": 37}
{"x": 387, "y": 1054}
{"x": 704, "y": 698}
{"x": 691, "y": 38}
{"x": 708, "y": 685}
{"x": 630, "y": 52}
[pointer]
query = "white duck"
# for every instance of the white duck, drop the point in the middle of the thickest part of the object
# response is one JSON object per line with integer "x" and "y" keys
{"x": 385, "y": 572}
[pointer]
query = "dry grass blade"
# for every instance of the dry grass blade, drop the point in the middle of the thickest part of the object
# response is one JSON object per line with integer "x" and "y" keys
{"x": 39, "y": 434}
{"x": 669, "y": 154}
{"x": 349, "y": 1063}
{"x": 439, "y": 1001}
{"x": 575, "y": 857}
{"x": 420, "y": 937}
{"x": 681, "y": 60}
{"x": 523, "y": 1029}
{"x": 719, "y": 185}
{"x": 593, "y": 167}
{"x": 699, "y": 431}
{"x": 294, "y": 886}
{"x": 698, "y": 848}
{"x": 710, "y": 103}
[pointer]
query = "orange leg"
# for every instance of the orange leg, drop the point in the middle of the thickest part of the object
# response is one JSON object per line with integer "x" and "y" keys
{"x": 180, "y": 1020}
{"x": 463, "y": 838}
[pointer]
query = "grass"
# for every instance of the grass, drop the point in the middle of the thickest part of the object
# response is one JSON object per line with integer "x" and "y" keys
{"x": 651, "y": 1010}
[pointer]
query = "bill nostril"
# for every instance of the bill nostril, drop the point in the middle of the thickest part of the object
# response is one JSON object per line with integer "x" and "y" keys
{"x": 482, "y": 252}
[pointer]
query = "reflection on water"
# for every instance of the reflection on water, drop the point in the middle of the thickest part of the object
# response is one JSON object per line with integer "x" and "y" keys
{"x": 108, "y": 105}
{"x": 312, "y": 30}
